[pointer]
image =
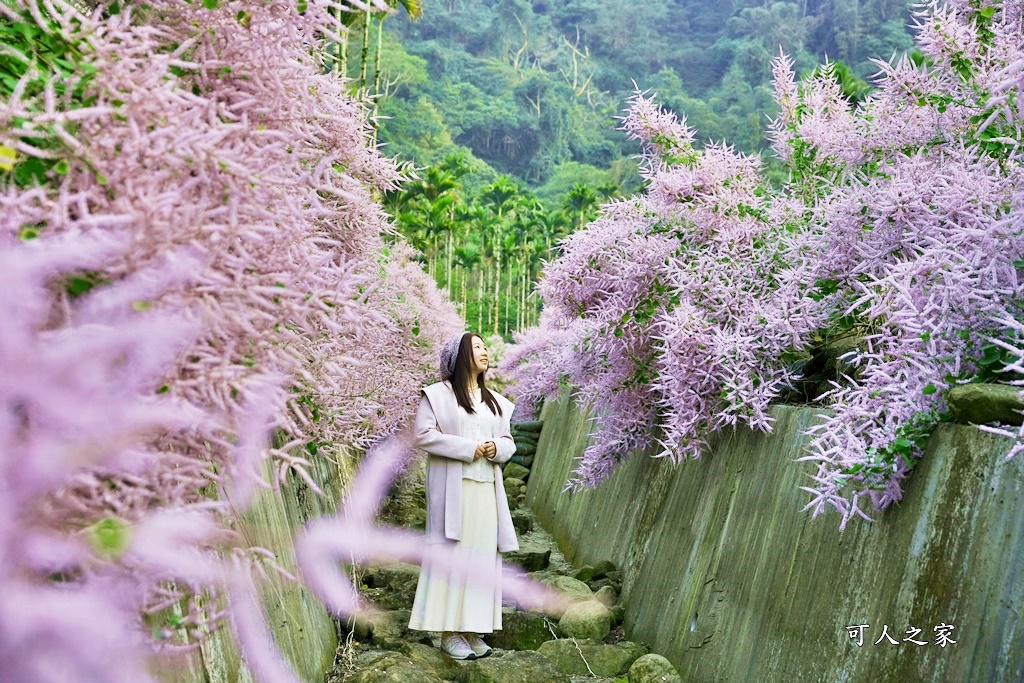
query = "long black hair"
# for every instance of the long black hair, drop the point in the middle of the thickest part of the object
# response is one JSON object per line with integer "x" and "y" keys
{"x": 460, "y": 379}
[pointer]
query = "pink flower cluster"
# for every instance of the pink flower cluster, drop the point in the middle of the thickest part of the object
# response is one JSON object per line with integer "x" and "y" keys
{"x": 671, "y": 309}
{"x": 920, "y": 225}
{"x": 214, "y": 192}
{"x": 680, "y": 308}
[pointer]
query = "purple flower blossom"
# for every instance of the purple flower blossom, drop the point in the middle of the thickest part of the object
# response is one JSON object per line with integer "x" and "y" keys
{"x": 205, "y": 267}
{"x": 678, "y": 308}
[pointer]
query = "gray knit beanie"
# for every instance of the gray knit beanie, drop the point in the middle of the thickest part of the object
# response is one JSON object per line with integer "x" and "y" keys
{"x": 448, "y": 355}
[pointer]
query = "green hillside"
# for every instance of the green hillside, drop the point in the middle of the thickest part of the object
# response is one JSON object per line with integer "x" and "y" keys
{"x": 527, "y": 86}
{"x": 508, "y": 108}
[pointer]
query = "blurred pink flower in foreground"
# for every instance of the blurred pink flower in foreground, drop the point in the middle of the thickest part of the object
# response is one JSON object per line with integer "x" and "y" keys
{"x": 196, "y": 263}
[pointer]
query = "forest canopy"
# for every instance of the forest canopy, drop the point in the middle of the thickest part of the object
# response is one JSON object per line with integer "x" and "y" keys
{"x": 529, "y": 85}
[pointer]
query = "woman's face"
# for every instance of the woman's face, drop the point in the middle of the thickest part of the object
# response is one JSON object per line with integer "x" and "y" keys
{"x": 480, "y": 361}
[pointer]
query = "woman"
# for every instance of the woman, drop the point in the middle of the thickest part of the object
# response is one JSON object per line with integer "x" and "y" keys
{"x": 465, "y": 430}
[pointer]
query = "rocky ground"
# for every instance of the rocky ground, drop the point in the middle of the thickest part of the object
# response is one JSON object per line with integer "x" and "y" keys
{"x": 585, "y": 643}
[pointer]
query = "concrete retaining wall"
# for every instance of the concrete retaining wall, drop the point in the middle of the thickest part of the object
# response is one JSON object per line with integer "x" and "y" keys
{"x": 300, "y": 625}
{"x": 725, "y": 575}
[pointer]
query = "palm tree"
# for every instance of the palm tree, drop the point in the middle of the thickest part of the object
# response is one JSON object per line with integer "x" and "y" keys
{"x": 414, "y": 8}
{"x": 579, "y": 204}
{"x": 466, "y": 256}
{"x": 500, "y": 194}
{"x": 456, "y": 164}
{"x": 349, "y": 20}
{"x": 439, "y": 219}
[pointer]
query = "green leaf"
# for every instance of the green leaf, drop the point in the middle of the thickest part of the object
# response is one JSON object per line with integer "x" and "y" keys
{"x": 993, "y": 356}
{"x": 7, "y": 157}
{"x": 109, "y": 536}
{"x": 211, "y": 4}
{"x": 142, "y": 305}
{"x": 929, "y": 390}
{"x": 80, "y": 284}
{"x": 31, "y": 171}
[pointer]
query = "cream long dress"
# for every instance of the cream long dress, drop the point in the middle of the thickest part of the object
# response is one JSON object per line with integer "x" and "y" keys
{"x": 450, "y": 600}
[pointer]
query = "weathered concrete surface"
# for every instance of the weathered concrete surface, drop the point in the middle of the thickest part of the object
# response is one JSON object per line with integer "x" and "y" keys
{"x": 300, "y": 625}
{"x": 725, "y": 575}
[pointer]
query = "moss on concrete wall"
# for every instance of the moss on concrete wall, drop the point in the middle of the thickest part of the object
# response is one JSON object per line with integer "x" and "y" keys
{"x": 724, "y": 574}
{"x": 301, "y": 627}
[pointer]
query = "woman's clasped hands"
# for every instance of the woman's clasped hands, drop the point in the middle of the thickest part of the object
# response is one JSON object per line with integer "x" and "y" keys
{"x": 485, "y": 450}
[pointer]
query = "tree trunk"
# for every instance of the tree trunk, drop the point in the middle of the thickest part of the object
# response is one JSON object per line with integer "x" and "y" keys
{"x": 366, "y": 49}
{"x": 336, "y": 50}
{"x": 519, "y": 307}
{"x": 376, "y": 78}
{"x": 433, "y": 256}
{"x": 448, "y": 262}
{"x": 497, "y": 293}
{"x": 480, "y": 302}
{"x": 522, "y": 299}
{"x": 463, "y": 278}
{"x": 376, "y": 58}
{"x": 343, "y": 58}
{"x": 508, "y": 292}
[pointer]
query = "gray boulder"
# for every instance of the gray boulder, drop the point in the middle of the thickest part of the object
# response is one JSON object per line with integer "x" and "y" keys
{"x": 653, "y": 668}
{"x": 512, "y": 486}
{"x": 530, "y": 558}
{"x": 571, "y": 589}
{"x": 520, "y": 631}
{"x": 516, "y": 471}
{"x": 527, "y": 666}
{"x": 584, "y": 573}
{"x": 431, "y": 659}
{"x": 607, "y": 596}
{"x": 392, "y": 631}
{"x": 395, "y": 585}
{"x": 602, "y": 568}
{"x": 573, "y": 656}
{"x": 589, "y": 619}
{"x": 523, "y": 521}
{"x": 391, "y": 667}
{"x": 531, "y": 426}
{"x": 985, "y": 403}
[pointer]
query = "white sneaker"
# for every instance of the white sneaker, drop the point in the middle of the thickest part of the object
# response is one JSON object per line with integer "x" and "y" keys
{"x": 480, "y": 648}
{"x": 456, "y": 646}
